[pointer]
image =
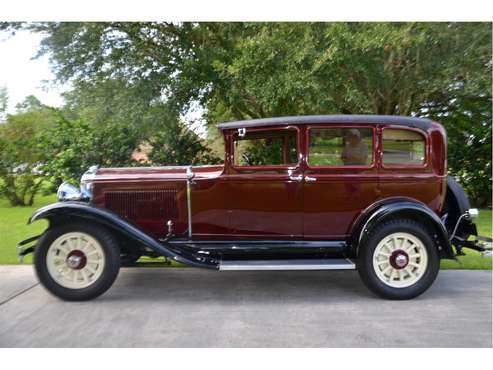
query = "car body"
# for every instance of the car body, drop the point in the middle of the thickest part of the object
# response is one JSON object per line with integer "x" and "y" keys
{"x": 294, "y": 193}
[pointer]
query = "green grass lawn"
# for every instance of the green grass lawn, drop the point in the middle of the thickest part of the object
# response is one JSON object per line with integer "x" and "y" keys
{"x": 14, "y": 228}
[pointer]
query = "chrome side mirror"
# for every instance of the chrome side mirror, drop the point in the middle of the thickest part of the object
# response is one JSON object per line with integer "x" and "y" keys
{"x": 68, "y": 192}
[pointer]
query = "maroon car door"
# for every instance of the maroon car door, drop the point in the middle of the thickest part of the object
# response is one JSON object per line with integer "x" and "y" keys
{"x": 264, "y": 183}
{"x": 340, "y": 178}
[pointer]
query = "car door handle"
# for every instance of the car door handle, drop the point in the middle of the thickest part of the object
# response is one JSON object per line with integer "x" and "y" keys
{"x": 296, "y": 178}
{"x": 310, "y": 179}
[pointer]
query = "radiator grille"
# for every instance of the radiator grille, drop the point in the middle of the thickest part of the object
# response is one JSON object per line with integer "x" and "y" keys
{"x": 148, "y": 204}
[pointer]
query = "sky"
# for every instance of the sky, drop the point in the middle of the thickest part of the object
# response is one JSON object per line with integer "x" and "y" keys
{"x": 23, "y": 75}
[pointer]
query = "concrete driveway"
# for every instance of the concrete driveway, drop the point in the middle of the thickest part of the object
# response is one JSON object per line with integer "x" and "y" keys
{"x": 172, "y": 307}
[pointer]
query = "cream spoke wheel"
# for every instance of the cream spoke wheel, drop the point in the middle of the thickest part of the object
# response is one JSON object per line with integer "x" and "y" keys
{"x": 75, "y": 260}
{"x": 406, "y": 263}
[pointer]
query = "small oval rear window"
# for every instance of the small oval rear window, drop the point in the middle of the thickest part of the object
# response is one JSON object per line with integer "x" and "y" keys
{"x": 403, "y": 147}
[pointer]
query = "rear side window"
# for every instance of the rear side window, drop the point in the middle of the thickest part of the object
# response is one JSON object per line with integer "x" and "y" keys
{"x": 340, "y": 147}
{"x": 403, "y": 147}
{"x": 266, "y": 148}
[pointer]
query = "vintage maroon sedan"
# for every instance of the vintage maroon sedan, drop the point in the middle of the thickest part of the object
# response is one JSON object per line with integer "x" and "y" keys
{"x": 334, "y": 192}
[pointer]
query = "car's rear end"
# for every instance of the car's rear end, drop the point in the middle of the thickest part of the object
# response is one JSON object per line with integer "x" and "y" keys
{"x": 456, "y": 212}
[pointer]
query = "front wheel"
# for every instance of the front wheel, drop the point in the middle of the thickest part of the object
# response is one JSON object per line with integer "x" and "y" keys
{"x": 77, "y": 261}
{"x": 399, "y": 260}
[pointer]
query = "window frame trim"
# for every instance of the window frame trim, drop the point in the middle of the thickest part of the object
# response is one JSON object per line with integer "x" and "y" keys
{"x": 293, "y": 166}
{"x": 343, "y": 126}
{"x": 391, "y": 166}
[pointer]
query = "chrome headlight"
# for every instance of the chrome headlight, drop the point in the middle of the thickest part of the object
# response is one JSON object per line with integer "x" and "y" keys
{"x": 67, "y": 192}
{"x": 86, "y": 182}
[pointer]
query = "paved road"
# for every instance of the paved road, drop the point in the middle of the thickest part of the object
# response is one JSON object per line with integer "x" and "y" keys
{"x": 198, "y": 308}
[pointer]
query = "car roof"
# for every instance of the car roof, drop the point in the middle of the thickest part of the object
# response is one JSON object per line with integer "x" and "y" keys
{"x": 415, "y": 122}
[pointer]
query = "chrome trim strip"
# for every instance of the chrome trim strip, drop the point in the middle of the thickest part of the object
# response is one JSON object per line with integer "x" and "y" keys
{"x": 266, "y": 243}
{"x": 190, "y": 176}
{"x": 86, "y": 182}
{"x": 285, "y": 265}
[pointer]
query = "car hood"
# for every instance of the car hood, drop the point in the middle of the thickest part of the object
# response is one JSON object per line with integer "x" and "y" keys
{"x": 166, "y": 172}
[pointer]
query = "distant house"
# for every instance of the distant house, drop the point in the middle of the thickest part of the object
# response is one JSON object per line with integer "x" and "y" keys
{"x": 141, "y": 154}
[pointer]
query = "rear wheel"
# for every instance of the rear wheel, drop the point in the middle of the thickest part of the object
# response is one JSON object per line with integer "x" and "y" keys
{"x": 77, "y": 261}
{"x": 399, "y": 260}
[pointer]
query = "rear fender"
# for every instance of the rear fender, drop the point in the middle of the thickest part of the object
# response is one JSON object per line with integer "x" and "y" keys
{"x": 401, "y": 208}
{"x": 65, "y": 211}
{"x": 456, "y": 205}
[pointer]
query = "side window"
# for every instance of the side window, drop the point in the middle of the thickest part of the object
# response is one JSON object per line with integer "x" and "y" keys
{"x": 266, "y": 148}
{"x": 403, "y": 147}
{"x": 340, "y": 147}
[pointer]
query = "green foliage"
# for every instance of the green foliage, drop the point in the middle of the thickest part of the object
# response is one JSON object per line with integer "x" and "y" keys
{"x": 124, "y": 113}
{"x": 114, "y": 101}
{"x": 245, "y": 70}
{"x": 4, "y": 99}
{"x": 21, "y": 157}
{"x": 468, "y": 122}
{"x": 30, "y": 103}
{"x": 262, "y": 150}
{"x": 172, "y": 143}
{"x": 38, "y": 143}
{"x": 250, "y": 70}
{"x": 73, "y": 146}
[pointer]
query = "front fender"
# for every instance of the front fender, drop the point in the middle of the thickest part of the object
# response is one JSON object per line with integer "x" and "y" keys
{"x": 63, "y": 211}
{"x": 403, "y": 208}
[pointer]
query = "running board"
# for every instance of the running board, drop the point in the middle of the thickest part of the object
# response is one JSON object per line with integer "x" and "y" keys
{"x": 270, "y": 265}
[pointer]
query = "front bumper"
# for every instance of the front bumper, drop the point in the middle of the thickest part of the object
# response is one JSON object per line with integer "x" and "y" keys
{"x": 24, "y": 250}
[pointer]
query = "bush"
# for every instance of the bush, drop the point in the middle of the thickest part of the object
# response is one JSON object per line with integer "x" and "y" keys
{"x": 21, "y": 158}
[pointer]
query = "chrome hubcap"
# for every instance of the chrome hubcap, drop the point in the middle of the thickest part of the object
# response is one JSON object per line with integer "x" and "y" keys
{"x": 76, "y": 260}
{"x": 400, "y": 260}
{"x": 73, "y": 262}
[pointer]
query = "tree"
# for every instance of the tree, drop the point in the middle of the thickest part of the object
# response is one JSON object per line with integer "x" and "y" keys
{"x": 468, "y": 123}
{"x": 173, "y": 143}
{"x": 4, "y": 99}
{"x": 112, "y": 101}
{"x": 117, "y": 106}
{"x": 21, "y": 157}
{"x": 250, "y": 70}
{"x": 72, "y": 146}
{"x": 40, "y": 146}
{"x": 30, "y": 103}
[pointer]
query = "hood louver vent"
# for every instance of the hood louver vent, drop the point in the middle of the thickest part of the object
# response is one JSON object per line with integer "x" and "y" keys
{"x": 140, "y": 205}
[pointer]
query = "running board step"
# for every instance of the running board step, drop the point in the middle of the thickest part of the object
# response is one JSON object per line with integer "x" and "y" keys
{"x": 269, "y": 265}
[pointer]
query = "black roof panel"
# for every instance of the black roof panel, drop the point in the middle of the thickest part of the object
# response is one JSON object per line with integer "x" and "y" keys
{"x": 422, "y": 123}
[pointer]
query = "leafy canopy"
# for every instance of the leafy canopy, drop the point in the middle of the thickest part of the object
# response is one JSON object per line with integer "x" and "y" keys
{"x": 250, "y": 70}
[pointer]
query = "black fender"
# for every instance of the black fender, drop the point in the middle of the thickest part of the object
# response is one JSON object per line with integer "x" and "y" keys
{"x": 457, "y": 204}
{"x": 459, "y": 195}
{"x": 401, "y": 208}
{"x": 64, "y": 211}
